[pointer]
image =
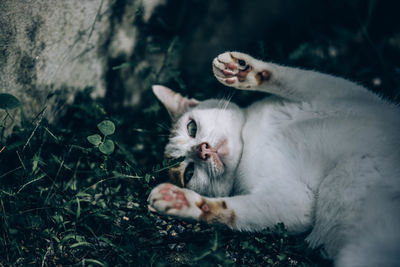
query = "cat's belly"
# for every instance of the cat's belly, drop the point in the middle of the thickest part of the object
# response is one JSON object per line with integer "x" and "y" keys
{"x": 285, "y": 140}
{"x": 269, "y": 151}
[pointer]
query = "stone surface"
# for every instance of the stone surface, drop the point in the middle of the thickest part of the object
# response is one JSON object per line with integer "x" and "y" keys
{"x": 52, "y": 48}
{"x": 49, "y": 50}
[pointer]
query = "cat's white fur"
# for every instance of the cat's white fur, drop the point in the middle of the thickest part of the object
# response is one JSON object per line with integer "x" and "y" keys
{"x": 324, "y": 154}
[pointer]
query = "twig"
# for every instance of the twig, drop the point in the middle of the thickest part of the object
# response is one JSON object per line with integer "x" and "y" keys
{"x": 78, "y": 163}
{"x": 51, "y": 134}
{"x": 9, "y": 115}
{"x": 37, "y": 209}
{"x": 41, "y": 115}
{"x": 32, "y": 181}
{"x": 10, "y": 171}
{"x": 20, "y": 160}
{"x": 120, "y": 176}
{"x": 45, "y": 255}
{"x": 166, "y": 56}
{"x": 95, "y": 20}
{"x": 167, "y": 167}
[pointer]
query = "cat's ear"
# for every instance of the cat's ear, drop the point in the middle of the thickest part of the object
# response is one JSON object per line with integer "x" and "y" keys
{"x": 175, "y": 103}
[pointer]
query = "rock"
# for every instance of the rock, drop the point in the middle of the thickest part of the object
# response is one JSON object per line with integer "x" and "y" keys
{"x": 180, "y": 229}
{"x": 180, "y": 247}
{"x": 172, "y": 246}
{"x": 162, "y": 233}
{"x": 50, "y": 50}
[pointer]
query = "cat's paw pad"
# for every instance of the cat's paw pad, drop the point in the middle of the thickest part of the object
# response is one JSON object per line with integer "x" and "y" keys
{"x": 172, "y": 200}
{"x": 239, "y": 70}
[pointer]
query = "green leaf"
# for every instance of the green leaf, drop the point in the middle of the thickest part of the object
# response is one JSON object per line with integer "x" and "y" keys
{"x": 78, "y": 208}
{"x": 80, "y": 244}
{"x": 72, "y": 236}
{"x": 147, "y": 177}
{"x": 107, "y": 147}
{"x": 299, "y": 52}
{"x": 12, "y": 231}
{"x": 122, "y": 66}
{"x": 83, "y": 194}
{"x": 94, "y": 139}
{"x": 106, "y": 240}
{"x": 281, "y": 257}
{"x": 84, "y": 261}
{"x": 8, "y": 101}
{"x": 106, "y": 127}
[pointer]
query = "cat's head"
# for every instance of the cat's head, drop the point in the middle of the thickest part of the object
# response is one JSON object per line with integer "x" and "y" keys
{"x": 208, "y": 134}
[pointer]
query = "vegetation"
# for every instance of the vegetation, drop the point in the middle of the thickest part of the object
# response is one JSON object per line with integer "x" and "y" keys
{"x": 69, "y": 198}
{"x": 75, "y": 192}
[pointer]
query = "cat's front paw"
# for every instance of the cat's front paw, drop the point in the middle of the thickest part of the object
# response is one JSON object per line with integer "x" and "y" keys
{"x": 172, "y": 200}
{"x": 240, "y": 70}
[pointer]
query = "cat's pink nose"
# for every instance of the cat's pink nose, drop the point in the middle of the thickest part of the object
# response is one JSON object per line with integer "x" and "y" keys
{"x": 204, "y": 150}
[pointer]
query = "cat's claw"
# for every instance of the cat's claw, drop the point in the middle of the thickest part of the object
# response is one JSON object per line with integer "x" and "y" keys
{"x": 172, "y": 200}
{"x": 239, "y": 70}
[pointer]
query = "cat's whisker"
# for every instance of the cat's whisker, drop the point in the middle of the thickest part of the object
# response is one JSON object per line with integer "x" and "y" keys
{"x": 164, "y": 126}
{"x": 228, "y": 100}
{"x": 224, "y": 101}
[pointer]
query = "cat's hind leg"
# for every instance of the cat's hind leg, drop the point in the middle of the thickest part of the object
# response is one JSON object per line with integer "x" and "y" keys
{"x": 376, "y": 239}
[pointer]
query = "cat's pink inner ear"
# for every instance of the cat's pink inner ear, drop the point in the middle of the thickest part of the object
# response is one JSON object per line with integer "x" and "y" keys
{"x": 175, "y": 103}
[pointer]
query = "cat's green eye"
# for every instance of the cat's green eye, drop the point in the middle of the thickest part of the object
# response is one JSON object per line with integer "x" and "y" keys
{"x": 188, "y": 172}
{"x": 192, "y": 128}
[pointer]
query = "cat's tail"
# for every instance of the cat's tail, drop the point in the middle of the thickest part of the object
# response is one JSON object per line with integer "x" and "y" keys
{"x": 376, "y": 242}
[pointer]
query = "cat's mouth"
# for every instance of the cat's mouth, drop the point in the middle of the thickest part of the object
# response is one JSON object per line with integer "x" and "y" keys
{"x": 214, "y": 156}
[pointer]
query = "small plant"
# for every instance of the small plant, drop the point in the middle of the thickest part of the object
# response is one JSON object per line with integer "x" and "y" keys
{"x": 105, "y": 145}
{"x": 8, "y": 101}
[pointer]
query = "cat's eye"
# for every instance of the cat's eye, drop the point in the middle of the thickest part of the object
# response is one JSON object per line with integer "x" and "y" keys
{"x": 188, "y": 172}
{"x": 192, "y": 128}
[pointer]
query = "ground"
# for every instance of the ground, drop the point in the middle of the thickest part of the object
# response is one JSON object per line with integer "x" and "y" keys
{"x": 66, "y": 200}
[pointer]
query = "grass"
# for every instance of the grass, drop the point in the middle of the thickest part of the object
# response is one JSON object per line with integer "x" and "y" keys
{"x": 64, "y": 201}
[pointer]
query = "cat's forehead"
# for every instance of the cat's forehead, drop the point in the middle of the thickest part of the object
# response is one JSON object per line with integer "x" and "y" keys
{"x": 206, "y": 111}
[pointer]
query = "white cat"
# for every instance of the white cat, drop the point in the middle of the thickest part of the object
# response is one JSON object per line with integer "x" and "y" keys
{"x": 324, "y": 154}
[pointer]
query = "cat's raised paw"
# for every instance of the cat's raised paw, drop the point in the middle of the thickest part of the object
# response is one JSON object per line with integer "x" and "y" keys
{"x": 240, "y": 70}
{"x": 172, "y": 200}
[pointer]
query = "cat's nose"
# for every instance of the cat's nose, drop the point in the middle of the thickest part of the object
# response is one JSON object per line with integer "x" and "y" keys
{"x": 204, "y": 150}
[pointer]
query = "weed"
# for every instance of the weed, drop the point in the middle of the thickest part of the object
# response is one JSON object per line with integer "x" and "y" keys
{"x": 105, "y": 145}
{"x": 65, "y": 200}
